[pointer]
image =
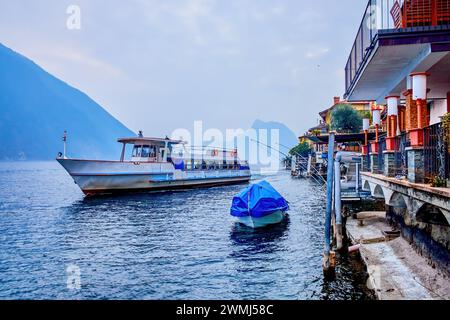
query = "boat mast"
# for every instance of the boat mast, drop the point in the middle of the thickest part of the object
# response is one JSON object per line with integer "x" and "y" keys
{"x": 64, "y": 142}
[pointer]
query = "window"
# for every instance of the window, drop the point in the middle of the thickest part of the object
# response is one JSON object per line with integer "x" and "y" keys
{"x": 197, "y": 164}
{"x": 145, "y": 151}
{"x": 152, "y": 152}
{"x": 136, "y": 151}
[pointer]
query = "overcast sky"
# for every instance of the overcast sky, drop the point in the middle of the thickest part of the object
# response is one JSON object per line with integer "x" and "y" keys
{"x": 160, "y": 65}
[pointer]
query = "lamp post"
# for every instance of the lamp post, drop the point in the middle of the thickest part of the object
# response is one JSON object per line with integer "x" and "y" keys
{"x": 392, "y": 105}
{"x": 419, "y": 92}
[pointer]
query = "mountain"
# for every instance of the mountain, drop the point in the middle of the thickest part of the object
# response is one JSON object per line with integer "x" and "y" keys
{"x": 36, "y": 108}
{"x": 287, "y": 137}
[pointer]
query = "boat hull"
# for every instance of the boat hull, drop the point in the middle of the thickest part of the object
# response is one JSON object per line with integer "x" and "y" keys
{"x": 273, "y": 218}
{"x": 95, "y": 177}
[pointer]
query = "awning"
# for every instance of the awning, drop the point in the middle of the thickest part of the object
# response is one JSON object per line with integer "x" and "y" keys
{"x": 343, "y": 137}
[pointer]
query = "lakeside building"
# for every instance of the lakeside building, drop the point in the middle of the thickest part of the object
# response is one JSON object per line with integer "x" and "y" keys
{"x": 403, "y": 62}
{"x": 398, "y": 77}
{"x": 317, "y": 136}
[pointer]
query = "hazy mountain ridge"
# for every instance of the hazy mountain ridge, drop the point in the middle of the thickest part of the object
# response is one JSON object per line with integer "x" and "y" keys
{"x": 35, "y": 109}
{"x": 288, "y": 139}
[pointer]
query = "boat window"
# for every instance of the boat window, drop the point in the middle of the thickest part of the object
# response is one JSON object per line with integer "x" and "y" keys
{"x": 187, "y": 165}
{"x": 197, "y": 164}
{"x": 145, "y": 151}
{"x": 152, "y": 152}
{"x": 136, "y": 151}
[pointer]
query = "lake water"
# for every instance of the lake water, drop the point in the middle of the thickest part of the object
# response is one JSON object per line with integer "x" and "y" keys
{"x": 57, "y": 244}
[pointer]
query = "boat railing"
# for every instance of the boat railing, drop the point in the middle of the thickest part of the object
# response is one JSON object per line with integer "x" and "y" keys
{"x": 205, "y": 151}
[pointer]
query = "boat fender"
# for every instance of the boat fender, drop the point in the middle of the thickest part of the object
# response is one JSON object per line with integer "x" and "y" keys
{"x": 354, "y": 248}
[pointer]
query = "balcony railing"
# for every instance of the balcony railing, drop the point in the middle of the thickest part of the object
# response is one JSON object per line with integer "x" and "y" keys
{"x": 391, "y": 14}
{"x": 401, "y": 157}
{"x": 436, "y": 157}
{"x": 436, "y": 153}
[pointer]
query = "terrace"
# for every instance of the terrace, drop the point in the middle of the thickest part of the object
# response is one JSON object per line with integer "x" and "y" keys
{"x": 394, "y": 39}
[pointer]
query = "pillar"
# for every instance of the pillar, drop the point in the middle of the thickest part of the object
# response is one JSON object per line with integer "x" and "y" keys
{"x": 419, "y": 116}
{"x": 410, "y": 111}
{"x": 416, "y": 173}
{"x": 392, "y": 121}
{"x": 365, "y": 164}
{"x": 374, "y": 168}
{"x": 448, "y": 101}
{"x": 389, "y": 163}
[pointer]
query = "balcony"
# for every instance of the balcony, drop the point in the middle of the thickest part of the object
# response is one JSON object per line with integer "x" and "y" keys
{"x": 424, "y": 25}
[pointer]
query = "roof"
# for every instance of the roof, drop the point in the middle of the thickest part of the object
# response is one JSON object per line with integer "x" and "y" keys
{"x": 138, "y": 140}
{"x": 318, "y": 127}
{"x": 342, "y": 102}
{"x": 343, "y": 137}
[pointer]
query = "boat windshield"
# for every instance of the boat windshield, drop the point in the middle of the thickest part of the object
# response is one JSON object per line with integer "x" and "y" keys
{"x": 144, "y": 151}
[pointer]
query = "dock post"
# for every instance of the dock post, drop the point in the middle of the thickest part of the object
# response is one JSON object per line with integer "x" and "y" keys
{"x": 358, "y": 177}
{"x": 337, "y": 201}
{"x": 328, "y": 263}
{"x": 308, "y": 172}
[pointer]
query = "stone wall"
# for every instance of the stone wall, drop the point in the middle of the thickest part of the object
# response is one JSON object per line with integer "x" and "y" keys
{"x": 425, "y": 238}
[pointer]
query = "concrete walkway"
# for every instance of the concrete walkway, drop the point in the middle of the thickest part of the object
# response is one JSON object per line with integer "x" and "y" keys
{"x": 396, "y": 271}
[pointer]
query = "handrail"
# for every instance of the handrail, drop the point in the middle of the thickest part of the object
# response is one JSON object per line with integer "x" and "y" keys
{"x": 315, "y": 170}
{"x": 306, "y": 169}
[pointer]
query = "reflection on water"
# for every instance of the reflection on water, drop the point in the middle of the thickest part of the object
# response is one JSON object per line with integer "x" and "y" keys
{"x": 248, "y": 241}
{"x": 171, "y": 245}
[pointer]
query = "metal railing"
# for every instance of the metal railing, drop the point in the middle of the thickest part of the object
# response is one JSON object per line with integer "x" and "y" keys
{"x": 381, "y": 148}
{"x": 376, "y": 17}
{"x": 401, "y": 157}
{"x": 436, "y": 153}
{"x": 391, "y": 14}
{"x": 301, "y": 163}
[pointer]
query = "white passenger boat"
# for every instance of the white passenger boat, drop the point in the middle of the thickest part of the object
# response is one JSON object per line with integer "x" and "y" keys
{"x": 157, "y": 164}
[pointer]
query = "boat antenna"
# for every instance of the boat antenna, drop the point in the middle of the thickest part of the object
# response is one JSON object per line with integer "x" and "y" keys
{"x": 64, "y": 139}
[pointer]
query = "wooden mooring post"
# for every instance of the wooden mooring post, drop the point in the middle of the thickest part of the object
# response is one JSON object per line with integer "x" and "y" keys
{"x": 328, "y": 263}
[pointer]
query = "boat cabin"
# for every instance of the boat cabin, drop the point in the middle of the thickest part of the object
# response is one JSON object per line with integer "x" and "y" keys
{"x": 149, "y": 149}
{"x": 174, "y": 151}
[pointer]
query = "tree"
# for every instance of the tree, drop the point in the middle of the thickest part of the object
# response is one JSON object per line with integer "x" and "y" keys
{"x": 345, "y": 119}
{"x": 301, "y": 149}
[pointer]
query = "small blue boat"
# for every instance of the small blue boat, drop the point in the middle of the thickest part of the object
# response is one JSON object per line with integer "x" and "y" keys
{"x": 259, "y": 205}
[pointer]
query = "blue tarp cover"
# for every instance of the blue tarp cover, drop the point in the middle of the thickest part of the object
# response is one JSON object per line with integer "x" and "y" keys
{"x": 258, "y": 200}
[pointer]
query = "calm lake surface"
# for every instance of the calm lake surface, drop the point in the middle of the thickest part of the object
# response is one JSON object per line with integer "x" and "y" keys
{"x": 173, "y": 245}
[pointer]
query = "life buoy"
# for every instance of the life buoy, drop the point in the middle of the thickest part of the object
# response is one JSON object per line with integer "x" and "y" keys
{"x": 215, "y": 153}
